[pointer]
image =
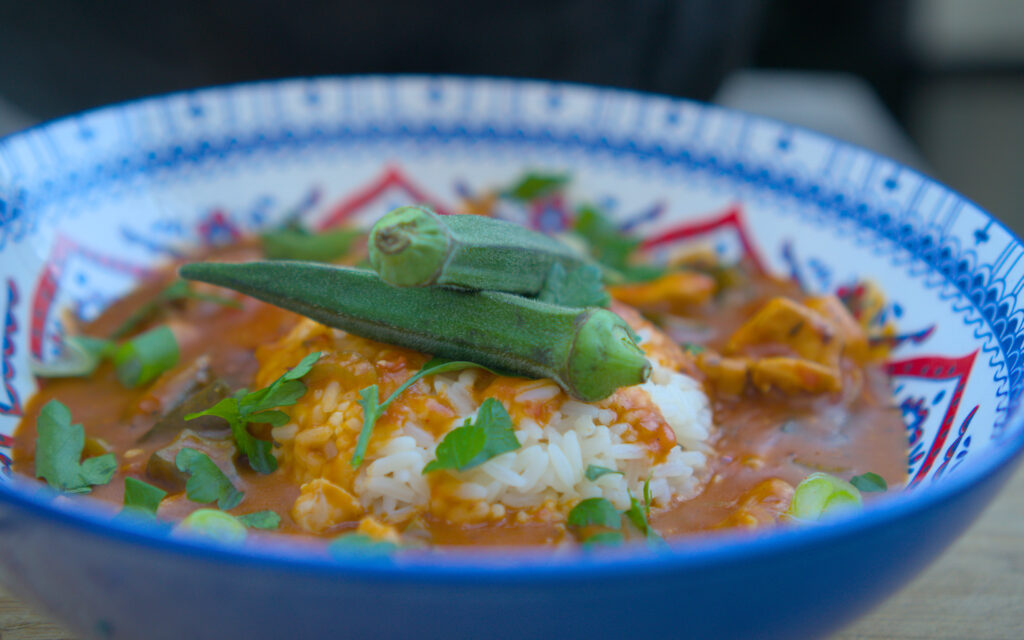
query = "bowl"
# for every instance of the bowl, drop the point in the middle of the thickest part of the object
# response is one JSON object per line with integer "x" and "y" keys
{"x": 90, "y": 203}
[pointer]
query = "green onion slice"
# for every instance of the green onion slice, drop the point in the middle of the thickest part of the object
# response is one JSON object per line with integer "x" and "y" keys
{"x": 820, "y": 496}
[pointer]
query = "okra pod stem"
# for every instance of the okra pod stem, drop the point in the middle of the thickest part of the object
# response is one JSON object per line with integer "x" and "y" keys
{"x": 589, "y": 352}
{"x": 413, "y": 246}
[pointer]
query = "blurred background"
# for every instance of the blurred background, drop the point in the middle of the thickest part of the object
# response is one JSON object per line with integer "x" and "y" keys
{"x": 936, "y": 84}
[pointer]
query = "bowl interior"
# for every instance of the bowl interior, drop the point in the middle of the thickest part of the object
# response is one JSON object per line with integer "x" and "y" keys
{"x": 91, "y": 203}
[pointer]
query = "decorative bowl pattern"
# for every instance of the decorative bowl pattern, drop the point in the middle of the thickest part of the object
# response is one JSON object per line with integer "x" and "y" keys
{"x": 88, "y": 204}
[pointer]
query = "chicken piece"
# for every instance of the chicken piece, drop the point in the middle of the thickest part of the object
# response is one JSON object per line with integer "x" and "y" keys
{"x": 323, "y": 504}
{"x": 727, "y": 375}
{"x": 377, "y": 530}
{"x": 847, "y": 328}
{"x": 763, "y": 504}
{"x": 793, "y": 375}
{"x": 673, "y": 292}
{"x": 786, "y": 323}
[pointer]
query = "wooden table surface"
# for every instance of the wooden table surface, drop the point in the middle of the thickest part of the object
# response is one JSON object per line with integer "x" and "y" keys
{"x": 974, "y": 592}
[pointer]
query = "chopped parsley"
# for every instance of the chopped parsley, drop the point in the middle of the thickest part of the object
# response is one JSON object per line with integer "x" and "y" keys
{"x": 639, "y": 513}
{"x": 604, "y": 539}
{"x": 206, "y": 482}
{"x": 143, "y": 358}
{"x": 261, "y": 520}
{"x": 177, "y": 290}
{"x": 58, "y": 455}
{"x": 612, "y": 247}
{"x": 581, "y": 287}
{"x": 869, "y": 482}
{"x": 474, "y": 444}
{"x": 244, "y": 407}
{"x": 141, "y": 497}
{"x": 535, "y": 185}
{"x": 594, "y": 472}
{"x": 360, "y": 544}
{"x": 373, "y": 408}
{"x": 693, "y": 348}
{"x": 595, "y": 512}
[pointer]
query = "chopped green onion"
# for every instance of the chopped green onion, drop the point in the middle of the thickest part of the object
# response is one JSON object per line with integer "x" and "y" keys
{"x": 79, "y": 357}
{"x": 821, "y": 495}
{"x": 211, "y": 523}
{"x": 869, "y": 482}
{"x": 143, "y": 358}
{"x": 177, "y": 290}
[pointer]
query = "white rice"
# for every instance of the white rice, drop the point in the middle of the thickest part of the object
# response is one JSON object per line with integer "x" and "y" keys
{"x": 552, "y": 460}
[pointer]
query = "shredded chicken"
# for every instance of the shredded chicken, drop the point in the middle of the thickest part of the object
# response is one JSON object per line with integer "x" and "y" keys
{"x": 790, "y": 347}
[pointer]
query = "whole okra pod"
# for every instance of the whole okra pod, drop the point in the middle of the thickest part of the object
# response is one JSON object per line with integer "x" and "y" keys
{"x": 589, "y": 352}
{"x": 413, "y": 246}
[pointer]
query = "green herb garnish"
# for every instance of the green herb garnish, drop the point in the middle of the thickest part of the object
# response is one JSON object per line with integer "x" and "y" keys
{"x": 58, "y": 455}
{"x": 143, "y": 358}
{"x": 580, "y": 287}
{"x": 610, "y": 246}
{"x": 693, "y": 348}
{"x": 613, "y": 248}
{"x": 373, "y": 409}
{"x": 294, "y": 242}
{"x": 869, "y": 482}
{"x": 141, "y": 497}
{"x": 244, "y": 407}
{"x": 597, "y": 512}
{"x": 79, "y": 357}
{"x": 604, "y": 539}
{"x": 594, "y": 472}
{"x": 206, "y": 482}
{"x": 639, "y": 513}
{"x": 261, "y": 520}
{"x": 473, "y": 444}
{"x": 360, "y": 544}
{"x": 535, "y": 185}
{"x": 177, "y": 290}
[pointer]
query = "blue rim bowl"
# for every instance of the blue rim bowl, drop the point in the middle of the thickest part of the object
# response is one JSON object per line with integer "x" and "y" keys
{"x": 178, "y": 162}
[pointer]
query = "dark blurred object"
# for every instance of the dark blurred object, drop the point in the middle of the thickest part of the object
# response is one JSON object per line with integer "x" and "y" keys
{"x": 64, "y": 56}
{"x": 866, "y": 38}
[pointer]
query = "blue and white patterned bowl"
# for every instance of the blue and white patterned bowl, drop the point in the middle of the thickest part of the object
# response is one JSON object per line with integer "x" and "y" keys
{"x": 91, "y": 202}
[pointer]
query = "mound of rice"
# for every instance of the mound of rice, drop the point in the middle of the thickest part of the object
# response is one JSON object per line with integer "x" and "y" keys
{"x": 659, "y": 431}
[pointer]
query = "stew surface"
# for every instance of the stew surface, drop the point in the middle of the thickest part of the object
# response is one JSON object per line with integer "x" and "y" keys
{"x": 775, "y": 424}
